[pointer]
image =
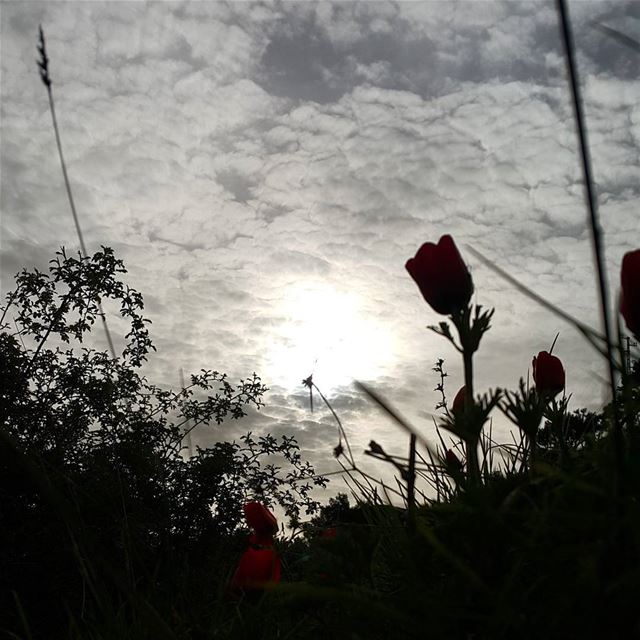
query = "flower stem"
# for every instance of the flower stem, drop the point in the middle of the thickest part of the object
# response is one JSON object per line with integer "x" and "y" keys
{"x": 411, "y": 479}
{"x": 471, "y": 443}
{"x": 533, "y": 448}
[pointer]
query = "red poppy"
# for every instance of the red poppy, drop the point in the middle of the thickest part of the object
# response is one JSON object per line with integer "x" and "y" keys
{"x": 442, "y": 276}
{"x": 260, "y": 519}
{"x": 458, "y": 401}
{"x": 548, "y": 373}
{"x": 260, "y": 563}
{"x": 257, "y": 566}
{"x": 630, "y": 294}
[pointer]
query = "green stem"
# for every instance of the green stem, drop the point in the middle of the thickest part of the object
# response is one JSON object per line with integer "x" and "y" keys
{"x": 563, "y": 442}
{"x": 472, "y": 442}
{"x": 411, "y": 480}
{"x": 533, "y": 446}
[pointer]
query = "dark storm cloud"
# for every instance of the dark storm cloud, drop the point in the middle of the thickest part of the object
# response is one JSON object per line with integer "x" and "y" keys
{"x": 316, "y": 55}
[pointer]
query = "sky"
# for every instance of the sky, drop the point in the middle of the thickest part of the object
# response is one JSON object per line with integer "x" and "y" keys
{"x": 266, "y": 169}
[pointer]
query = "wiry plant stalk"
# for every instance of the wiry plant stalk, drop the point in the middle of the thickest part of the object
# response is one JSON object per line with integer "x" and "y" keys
{"x": 592, "y": 206}
{"x": 411, "y": 480}
{"x": 622, "y": 38}
{"x": 308, "y": 382}
{"x": 43, "y": 64}
{"x": 590, "y": 334}
{"x": 471, "y": 445}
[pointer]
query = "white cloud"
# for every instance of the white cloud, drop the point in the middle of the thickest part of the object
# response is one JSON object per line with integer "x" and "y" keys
{"x": 229, "y": 169}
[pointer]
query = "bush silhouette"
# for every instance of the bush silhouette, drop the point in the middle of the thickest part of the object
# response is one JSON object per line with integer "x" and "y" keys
{"x": 98, "y": 507}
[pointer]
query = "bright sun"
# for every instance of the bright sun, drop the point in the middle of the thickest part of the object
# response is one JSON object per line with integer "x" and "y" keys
{"x": 328, "y": 333}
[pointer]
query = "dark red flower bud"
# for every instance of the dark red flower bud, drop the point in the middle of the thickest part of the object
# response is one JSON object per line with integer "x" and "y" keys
{"x": 330, "y": 533}
{"x": 452, "y": 459}
{"x": 630, "y": 294}
{"x": 376, "y": 448}
{"x": 442, "y": 276}
{"x": 260, "y": 519}
{"x": 548, "y": 373}
{"x": 458, "y": 401}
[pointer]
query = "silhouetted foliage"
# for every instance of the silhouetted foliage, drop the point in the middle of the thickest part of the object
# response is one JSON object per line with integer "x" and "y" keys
{"x": 97, "y": 504}
{"x": 572, "y": 429}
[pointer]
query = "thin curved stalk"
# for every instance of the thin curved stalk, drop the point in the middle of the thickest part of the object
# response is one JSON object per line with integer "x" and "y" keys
{"x": 340, "y": 427}
{"x": 43, "y": 63}
{"x": 592, "y": 206}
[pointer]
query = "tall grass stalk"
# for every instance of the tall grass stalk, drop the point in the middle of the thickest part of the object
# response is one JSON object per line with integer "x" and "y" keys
{"x": 43, "y": 64}
{"x": 592, "y": 207}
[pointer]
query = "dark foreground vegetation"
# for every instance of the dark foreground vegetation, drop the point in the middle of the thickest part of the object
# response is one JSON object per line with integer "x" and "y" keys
{"x": 106, "y": 531}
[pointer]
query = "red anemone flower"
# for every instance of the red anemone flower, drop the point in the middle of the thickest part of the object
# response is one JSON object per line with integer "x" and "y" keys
{"x": 630, "y": 294}
{"x": 257, "y": 566}
{"x": 442, "y": 276}
{"x": 548, "y": 373}
{"x": 260, "y": 563}
{"x": 260, "y": 519}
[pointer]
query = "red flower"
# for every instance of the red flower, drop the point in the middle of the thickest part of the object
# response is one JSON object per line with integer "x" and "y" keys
{"x": 257, "y": 566}
{"x": 458, "y": 401}
{"x": 330, "y": 533}
{"x": 441, "y": 275}
{"x": 260, "y": 563}
{"x": 548, "y": 373}
{"x": 630, "y": 295}
{"x": 260, "y": 519}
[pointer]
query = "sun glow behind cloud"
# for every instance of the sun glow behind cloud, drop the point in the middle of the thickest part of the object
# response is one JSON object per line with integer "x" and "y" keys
{"x": 233, "y": 166}
{"x": 329, "y": 333}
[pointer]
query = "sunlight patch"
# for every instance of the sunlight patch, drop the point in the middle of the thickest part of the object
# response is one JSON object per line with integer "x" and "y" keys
{"x": 329, "y": 333}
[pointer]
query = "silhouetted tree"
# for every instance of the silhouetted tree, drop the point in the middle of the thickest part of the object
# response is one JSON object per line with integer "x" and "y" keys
{"x": 97, "y": 503}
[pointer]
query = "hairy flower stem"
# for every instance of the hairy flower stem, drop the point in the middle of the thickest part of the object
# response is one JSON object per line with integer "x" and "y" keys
{"x": 470, "y": 331}
{"x": 532, "y": 433}
{"x": 563, "y": 443}
{"x": 411, "y": 479}
{"x": 533, "y": 451}
{"x": 471, "y": 442}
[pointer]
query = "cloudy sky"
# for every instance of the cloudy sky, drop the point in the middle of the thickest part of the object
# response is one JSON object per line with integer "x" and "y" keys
{"x": 266, "y": 169}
